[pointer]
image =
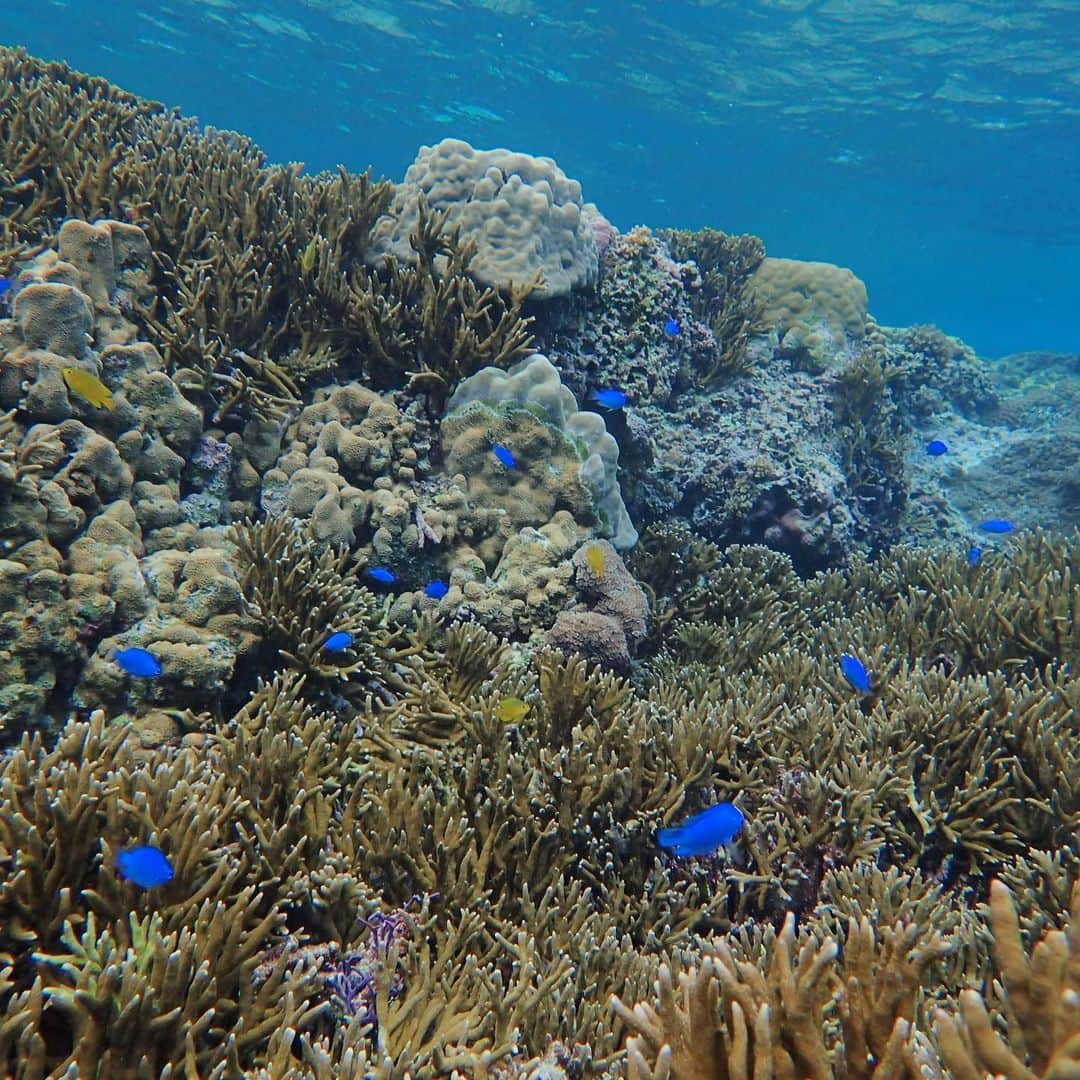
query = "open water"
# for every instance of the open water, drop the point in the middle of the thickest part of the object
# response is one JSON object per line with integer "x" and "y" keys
{"x": 932, "y": 147}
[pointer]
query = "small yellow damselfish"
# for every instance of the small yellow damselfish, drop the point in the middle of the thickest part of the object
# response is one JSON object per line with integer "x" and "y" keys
{"x": 511, "y": 710}
{"x": 595, "y": 558}
{"x": 307, "y": 260}
{"x": 89, "y": 387}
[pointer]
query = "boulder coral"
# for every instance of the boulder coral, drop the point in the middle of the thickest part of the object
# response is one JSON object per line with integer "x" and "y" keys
{"x": 522, "y": 213}
{"x": 612, "y": 619}
{"x": 814, "y": 308}
{"x": 558, "y": 447}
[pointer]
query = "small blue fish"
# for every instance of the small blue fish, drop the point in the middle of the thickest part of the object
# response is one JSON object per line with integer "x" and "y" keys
{"x": 974, "y": 555}
{"x": 338, "y": 641}
{"x": 997, "y": 525}
{"x": 6, "y": 285}
{"x": 673, "y": 328}
{"x": 504, "y": 456}
{"x": 381, "y": 575}
{"x": 704, "y": 832}
{"x": 145, "y": 866}
{"x": 855, "y": 672}
{"x": 610, "y": 398}
{"x": 936, "y": 447}
{"x": 437, "y": 590}
{"x": 138, "y": 662}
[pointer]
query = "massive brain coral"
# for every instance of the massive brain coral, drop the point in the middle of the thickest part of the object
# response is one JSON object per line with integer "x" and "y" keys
{"x": 528, "y": 410}
{"x": 814, "y": 307}
{"x": 523, "y": 213}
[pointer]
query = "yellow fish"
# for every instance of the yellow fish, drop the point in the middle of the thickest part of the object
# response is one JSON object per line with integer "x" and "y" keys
{"x": 511, "y": 710}
{"x": 89, "y": 387}
{"x": 307, "y": 260}
{"x": 595, "y": 558}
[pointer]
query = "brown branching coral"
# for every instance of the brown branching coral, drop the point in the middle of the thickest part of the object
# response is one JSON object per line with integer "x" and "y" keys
{"x": 301, "y": 823}
{"x": 874, "y": 431}
{"x": 1041, "y": 1007}
{"x": 242, "y": 311}
{"x": 730, "y": 1018}
{"x": 726, "y": 263}
{"x": 302, "y": 592}
{"x": 430, "y": 321}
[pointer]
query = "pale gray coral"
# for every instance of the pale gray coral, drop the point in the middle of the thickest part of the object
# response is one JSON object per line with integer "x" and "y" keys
{"x": 522, "y": 212}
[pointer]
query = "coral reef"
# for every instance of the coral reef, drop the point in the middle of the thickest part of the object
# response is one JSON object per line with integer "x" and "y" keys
{"x": 726, "y": 425}
{"x": 425, "y": 698}
{"x": 522, "y": 214}
{"x": 235, "y": 313}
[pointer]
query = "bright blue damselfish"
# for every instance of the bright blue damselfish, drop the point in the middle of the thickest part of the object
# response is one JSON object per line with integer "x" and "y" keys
{"x": 139, "y": 662}
{"x": 997, "y": 525}
{"x": 504, "y": 456}
{"x": 437, "y": 590}
{"x": 338, "y": 641}
{"x": 382, "y": 575}
{"x": 610, "y": 398}
{"x": 935, "y": 448}
{"x": 855, "y": 672}
{"x": 145, "y": 866}
{"x": 974, "y": 555}
{"x": 5, "y": 285}
{"x": 673, "y": 328}
{"x": 704, "y": 832}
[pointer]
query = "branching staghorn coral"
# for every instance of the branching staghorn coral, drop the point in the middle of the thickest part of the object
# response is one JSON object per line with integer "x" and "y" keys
{"x": 524, "y": 855}
{"x": 1041, "y": 1005}
{"x": 302, "y": 592}
{"x": 730, "y": 1018}
{"x": 252, "y": 259}
{"x": 731, "y": 310}
{"x": 430, "y": 320}
{"x": 875, "y": 433}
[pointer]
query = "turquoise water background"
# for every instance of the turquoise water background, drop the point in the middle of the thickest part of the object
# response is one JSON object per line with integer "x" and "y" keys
{"x": 932, "y": 147}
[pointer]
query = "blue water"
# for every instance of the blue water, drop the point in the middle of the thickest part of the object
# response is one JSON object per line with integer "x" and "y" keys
{"x": 933, "y": 147}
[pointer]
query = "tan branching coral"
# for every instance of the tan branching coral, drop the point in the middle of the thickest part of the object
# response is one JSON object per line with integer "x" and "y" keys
{"x": 429, "y": 320}
{"x": 1041, "y": 1006}
{"x": 730, "y": 1018}
{"x": 302, "y": 824}
{"x": 724, "y": 299}
{"x": 302, "y": 593}
{"x": 255, "y": 264}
